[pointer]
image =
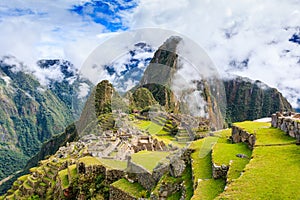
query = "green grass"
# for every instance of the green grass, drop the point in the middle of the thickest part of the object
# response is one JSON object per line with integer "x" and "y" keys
{"x": 175, "y": 196}
{"x": 188, "y": 181}
{"x": 224, "y": 153}
{"x": 166, "y": 179}
{"x": 209, "y": 189}
{"x": 63, "y": 176}
{"x": 23, "y": 178}
{"x": 201, "y": 164}
{"x": 27, "y": 186}
{"x": 42, "y": 184}
{"x": 265, "y": 134}
{"x": 223, "y": 135}
{"x": 151, "y": 127}
{"x": 149, "y": 159}
{"x": 89, "y": 160}
{"x": 114, "y": 164}
{"x": 157, "y": 132}
{"x": 134, "y": 189}
{"x": 271, "y": 174}
{"x": 73, "y": 170}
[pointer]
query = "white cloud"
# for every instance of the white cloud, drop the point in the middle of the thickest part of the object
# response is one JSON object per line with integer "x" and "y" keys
{"x": 47, "y": 30}
{"x": 228, "y": 31}
{"x": 236, "y": 30}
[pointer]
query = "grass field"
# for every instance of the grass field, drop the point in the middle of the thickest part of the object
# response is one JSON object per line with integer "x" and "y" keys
{"x": 224, "y": 153}
{"x": 157, "y": 132}
{"x": 149, "y": 159}
{"x": 271, "y": 174}
{"x": 89, "y": 160}
{"x": 134, "y": 189}
{"x": 273, "y": 171}
{"x": 207, "y": 188}
{"x": 265, "y": 134}
{"x": 63, "y": 176}
{"x": 114, "y": 164}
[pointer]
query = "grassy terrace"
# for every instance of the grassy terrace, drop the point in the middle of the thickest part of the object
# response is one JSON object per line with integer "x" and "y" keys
{"x": 114, "y": 164}
{"x": 73, "y": 170}
{"x": 89, "y": 160}
{"x": 224, "y": 153}
{"x": 265, "y": 134}
{"x": 133, "y": 189}
{"x": 157, "y": 131}
{"x": 207, "y": 188}
{"x": 63, "y": 176}
{"x": 149, "y": 159}
{"x": 273, "y": 171}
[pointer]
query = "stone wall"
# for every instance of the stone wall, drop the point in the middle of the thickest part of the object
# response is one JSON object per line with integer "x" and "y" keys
{"x": 175, "y": 165}
{"x": 139, "y": 174}
{"x": 219, "y": 171}
{"x": 113, "y": 175}
{"x": 116, "y": 194}
{"x": 287, "y": 122}
{"x": 239, "y": 135}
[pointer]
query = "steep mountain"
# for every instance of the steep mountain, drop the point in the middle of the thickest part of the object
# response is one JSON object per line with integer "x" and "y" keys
{"x": 229, "y": 99}
{"x": 101, "y": 102}
{"x": 249, "y": 100}
{"x": 31, "y": 112}
{"x": 67, "y": 84}
{"x": 108, "y": 161}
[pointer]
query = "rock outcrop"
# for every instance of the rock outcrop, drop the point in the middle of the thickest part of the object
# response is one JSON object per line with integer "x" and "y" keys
{"x": 239, "y": 135}
{"x": 288, "y": 122}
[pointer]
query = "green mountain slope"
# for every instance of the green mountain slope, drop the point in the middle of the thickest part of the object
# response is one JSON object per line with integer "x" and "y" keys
{"x": 30, "y": 114}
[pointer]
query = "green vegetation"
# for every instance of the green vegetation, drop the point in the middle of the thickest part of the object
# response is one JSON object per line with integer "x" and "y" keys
{"x": 207, "y": 188}
{"x": 163, "y": 95}
{"x": 153, "y": 158}
{"x": 89, "y": 160}
{"x": 15, "y": 159}
{"x": 157, "y": 131}
{"x": 134, "y": 189}
{"x": 265, "y": 134}
{"x": 63, "y": 176}
{"x": 174, "y": 196}
{"x": 142, "y": 98}
{"x": 247, "y": 100}
{"x": 188, "y": 181}
{"x": 272, "y": 172}
{"x": 224, "y": 153}
{"x": 73, "y": 170}
{"x": 114, "y": 164}
{"x": 201, "y": 164}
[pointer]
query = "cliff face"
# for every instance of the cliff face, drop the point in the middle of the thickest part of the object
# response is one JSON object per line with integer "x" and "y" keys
{"x": 163, "y": 64}
{"x": 243, "y": 99}
{"x": 249, "y": 100}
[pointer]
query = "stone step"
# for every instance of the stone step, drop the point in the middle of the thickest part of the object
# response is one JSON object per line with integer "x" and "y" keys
{"x": 182, "y": 139}
{"x": 10, "y": 192}
{"x": 33, "y": 183}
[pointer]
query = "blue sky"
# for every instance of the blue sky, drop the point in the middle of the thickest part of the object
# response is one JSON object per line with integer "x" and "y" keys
{"x": 263, "y": 33}
{"x": 107, "y": 13}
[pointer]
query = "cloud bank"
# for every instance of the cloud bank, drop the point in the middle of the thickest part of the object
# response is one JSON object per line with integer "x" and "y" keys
{"x": 252, "y": 38}
{"x": 249, "y": 38}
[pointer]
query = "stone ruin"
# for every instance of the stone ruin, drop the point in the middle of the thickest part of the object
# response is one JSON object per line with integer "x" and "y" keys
{"x": 240, "y": 135}
{"x": 289, "y": 122}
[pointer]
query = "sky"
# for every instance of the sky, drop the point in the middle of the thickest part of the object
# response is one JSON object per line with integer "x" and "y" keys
{"x": 252, "y": 38}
